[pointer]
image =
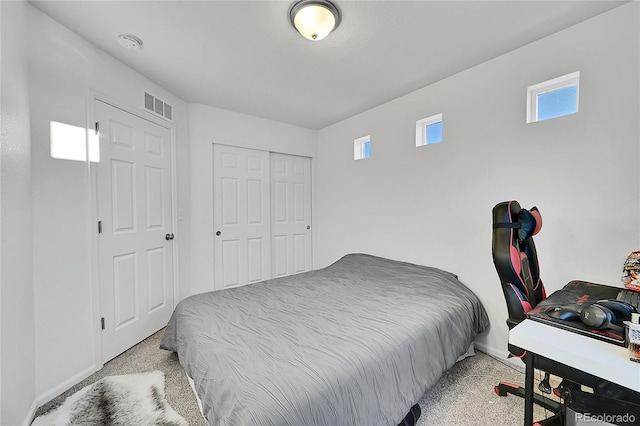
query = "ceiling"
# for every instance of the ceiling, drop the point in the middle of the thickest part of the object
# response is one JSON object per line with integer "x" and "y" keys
{"x": 245, "y": 56}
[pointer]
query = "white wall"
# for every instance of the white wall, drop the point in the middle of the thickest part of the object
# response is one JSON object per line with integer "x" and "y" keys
{"x": 432, "y": 205}
{"x": 17, "y": 354}
{"x": 64, "y": 71}
{"x": 206, "y": 126}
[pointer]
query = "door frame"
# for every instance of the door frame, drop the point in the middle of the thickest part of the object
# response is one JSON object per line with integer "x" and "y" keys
{"x": 92, "y": 98}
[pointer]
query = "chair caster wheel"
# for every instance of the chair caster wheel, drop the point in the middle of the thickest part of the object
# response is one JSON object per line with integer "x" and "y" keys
{"x": 499, "y": 391}
{"x": 544, "y": 386}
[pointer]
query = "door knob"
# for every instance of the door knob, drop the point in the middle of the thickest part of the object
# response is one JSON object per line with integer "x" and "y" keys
{"x": 218, "y": 233}
{"x": 169, "y": 237}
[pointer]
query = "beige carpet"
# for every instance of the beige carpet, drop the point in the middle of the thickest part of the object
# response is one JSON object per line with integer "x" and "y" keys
{"x": 463, "y": 396}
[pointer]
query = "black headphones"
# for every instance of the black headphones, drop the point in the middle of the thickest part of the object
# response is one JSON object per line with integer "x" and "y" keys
{"x": 608, "y": 313}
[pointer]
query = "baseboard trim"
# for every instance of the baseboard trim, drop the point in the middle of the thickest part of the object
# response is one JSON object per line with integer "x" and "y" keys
{"x": 30, "y": 414}
{"x": 489, "y": 350}
{"x": 502, "y": 356}
{"x": 59, "y": 389}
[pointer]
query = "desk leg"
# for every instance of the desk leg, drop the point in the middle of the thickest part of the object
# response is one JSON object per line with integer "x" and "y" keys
{"x": 528, "y": 389}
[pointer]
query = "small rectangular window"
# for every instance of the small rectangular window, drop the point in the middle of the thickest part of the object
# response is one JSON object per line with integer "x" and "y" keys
{"x": 557, "y": 103}
{"x": 429, "y": 130}
{"x": 434, "y": 132}
{"x": 553, "y": 98}
{"x": 362, "y": 148}
{"x": 366, "y": 150}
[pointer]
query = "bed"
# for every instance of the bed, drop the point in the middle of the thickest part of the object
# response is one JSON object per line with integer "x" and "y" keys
{"x": 356, "y": 343}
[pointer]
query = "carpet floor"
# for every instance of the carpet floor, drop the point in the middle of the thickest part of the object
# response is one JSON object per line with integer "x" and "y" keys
{"x": 463, "y": 396}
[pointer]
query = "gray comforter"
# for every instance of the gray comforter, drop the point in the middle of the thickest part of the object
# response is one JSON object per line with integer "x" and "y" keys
{"x": 356, "y": 343}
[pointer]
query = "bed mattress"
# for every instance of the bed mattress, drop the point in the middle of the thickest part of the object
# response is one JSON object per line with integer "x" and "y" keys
{"x": 356, "y": 343}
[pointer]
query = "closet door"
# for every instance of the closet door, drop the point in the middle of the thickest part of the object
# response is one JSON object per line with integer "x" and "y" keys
{"x": 241, "y": 216}
{"x": 290, "y": 214}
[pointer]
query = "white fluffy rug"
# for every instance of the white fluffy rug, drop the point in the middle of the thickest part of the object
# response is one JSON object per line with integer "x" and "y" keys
{"x": 132, "y": 399}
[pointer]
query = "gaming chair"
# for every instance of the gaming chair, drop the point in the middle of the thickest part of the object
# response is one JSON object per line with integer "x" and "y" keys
{"x": 516, "y": 261}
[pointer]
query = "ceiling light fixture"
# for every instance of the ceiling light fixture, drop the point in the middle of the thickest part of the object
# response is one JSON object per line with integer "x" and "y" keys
{"x": 314, "y": 19}
{"x": 129, "y": 41}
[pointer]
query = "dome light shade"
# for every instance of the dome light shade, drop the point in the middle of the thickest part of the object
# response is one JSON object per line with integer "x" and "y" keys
{"x": 314, "y": 19}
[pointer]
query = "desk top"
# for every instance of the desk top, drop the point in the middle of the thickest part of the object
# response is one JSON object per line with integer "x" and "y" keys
{"x": 605, "y": 360}
{"x": 577, "y": 295}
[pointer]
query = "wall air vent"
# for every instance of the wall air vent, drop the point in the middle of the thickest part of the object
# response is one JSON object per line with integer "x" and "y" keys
{"x": 158, "y": 107}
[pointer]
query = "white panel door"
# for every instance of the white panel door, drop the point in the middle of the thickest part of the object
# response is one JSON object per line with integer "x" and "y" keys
{"x": 290, "y": 214}
{"x": 241, "y": 198}
{"x": 135, "y": 214}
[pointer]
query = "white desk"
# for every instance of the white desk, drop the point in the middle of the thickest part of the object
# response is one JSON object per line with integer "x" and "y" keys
{"x": 595, "y": 357}
{"x": 605, "y": 360}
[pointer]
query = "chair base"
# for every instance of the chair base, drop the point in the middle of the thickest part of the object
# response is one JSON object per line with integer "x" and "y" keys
{"x": 555, "y": 420}
{"x": 505, "y": 388}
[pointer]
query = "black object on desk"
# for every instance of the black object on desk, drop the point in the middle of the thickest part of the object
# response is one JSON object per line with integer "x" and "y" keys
{"x": 575, "y": 296}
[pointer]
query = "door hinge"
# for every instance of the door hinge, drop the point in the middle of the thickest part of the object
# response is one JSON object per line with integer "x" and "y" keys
{"x": 102, "y": 323}
{"x": 99, "y": 227}
{"x": 97, "y": 127}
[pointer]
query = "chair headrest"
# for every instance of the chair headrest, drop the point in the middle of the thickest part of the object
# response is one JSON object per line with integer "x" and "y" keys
{"x": 530, "y": 223}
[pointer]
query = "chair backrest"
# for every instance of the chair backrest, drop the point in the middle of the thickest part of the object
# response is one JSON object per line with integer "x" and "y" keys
{"x": 515, "y": 257}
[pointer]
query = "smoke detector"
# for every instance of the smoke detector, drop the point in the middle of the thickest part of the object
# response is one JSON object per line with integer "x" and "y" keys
{"x": 129, "y": 41}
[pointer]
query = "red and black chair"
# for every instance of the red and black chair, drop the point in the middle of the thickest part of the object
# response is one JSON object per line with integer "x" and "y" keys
{"x": 516, "y": 261}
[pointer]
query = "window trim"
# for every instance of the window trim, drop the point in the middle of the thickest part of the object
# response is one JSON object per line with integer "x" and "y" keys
{"x": 358, "y": 147}
{"x": 421, "y": 129}
{"x": 572, "y": 79}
